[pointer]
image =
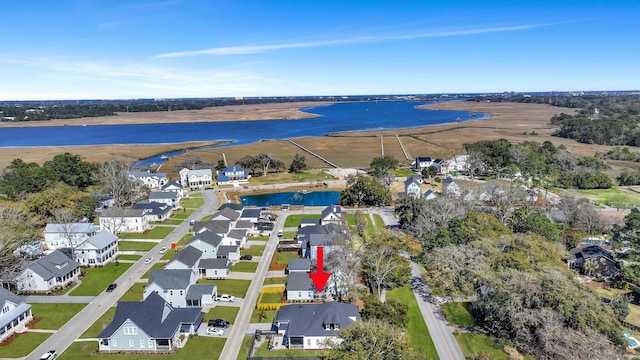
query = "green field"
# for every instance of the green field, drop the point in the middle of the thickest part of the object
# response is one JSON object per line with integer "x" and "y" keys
{"x": 457, "y": 313}
{"x": 379, "y": 222}
{"x": 53, "y": 315}
{"x": 416, "y": 328}
{"x": 310, "y": 177}
{"x": 94, "y": 330}
{"x": 245, "y": 266}
{"x": 263, "y": 316}
{"x": 235, "y": 287}
{"x": 23, "y": 344}
{"x": 271, "y": 298}
{"x": 227, "y": 313}
{"x": 275, "y": 281}
{"x": 96, "y": 280}
{"x": 157, "y": 232}
{"x": 285, "y": 256}
{"x": 192, "y": 203}
{"x": 617, "y": 197}
{"x": 254, "y": 250}
{"x": 134, "y": 293}
{"x": 129, "y": 257}
{"x": 634, "y": 306}
{"x": 129, "y": 245}
{"x": 294, "y": 220}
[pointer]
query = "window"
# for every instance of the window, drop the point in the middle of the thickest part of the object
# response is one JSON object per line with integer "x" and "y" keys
{"x": 309, "y": 342}
{"x": 150, "y": 344}
{"x": 171, "y": 292}
{"x": 130, "y": 343}
{"x": 130, "y": 330}
{"x": 142, "y": 343}
{"x": 114, "y": 343}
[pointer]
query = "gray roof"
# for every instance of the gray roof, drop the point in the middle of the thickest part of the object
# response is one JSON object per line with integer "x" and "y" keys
{"x": 188, "y": 256}
{"x": 154, "y": 316}
{"x": 157, "y": 195}
{"x": 214, "y": 264}
{"x": 8, "y": 296}
{"x": 215, "y": 226}
{"x": 224, "y": 250}
{"x": 196, "y": 291}
{"x": 244, "y": 224}
{"x": 54, "y": 264}
{"x": 171, "y": 184}
{"x": 171, "y": 279}
{"x": 21, "y": 307}
{"x": 411, "y": 180}
{"x": 250, "y": 213}
{"x": 309, "y": 221}
{"x": 299, "y": 281}
{"x": 199, "y": 172}
{"x": 309, "y": 319}
{"x": 102, "y": 239}
{"x": 232, "y": 206}
{"x": 153, "y": 207}
{"x": 121, "y": 212}
{"x": 85, "y": 228}
{"x": 207, "y": 237}
{"x": 237, "y": 233}
{"x": 299, "y": 265}
{"x": 228, "y": 213}
{"x": 448, "y": 180}
{"x": 331, "y": 209}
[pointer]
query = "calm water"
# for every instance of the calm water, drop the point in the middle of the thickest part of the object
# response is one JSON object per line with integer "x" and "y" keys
{"x": 356, "y": 116}
{"x": 316, "y": 198}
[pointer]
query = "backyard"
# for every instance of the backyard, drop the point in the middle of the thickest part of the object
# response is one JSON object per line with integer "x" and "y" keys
{"x": 617, "y": 197}
{"x": 97, "y": 279}
{"x": 634, "y": 313}
{"x": 253, "y": 250}
{"x": 227, "y": 313}
{"x": 235, "y": 287}
{"x": 157, "y": 232}
{"x": 245, "y": 266}
{"x": 129, "y": 245}
{"x": 281, "y": 259}
{"x": 296, "y": 219}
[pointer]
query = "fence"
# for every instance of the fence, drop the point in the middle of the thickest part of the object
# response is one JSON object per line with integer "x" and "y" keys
{"x": 270, "y": 290}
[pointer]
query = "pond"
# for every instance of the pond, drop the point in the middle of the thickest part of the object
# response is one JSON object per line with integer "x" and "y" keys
{"x": 314, "y": 198}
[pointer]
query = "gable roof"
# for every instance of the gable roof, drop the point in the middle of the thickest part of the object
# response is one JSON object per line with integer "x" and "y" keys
{"x": 8, "y": 296}
{"x": 199, "y": 172}
{"x": 153, "y": 315}
{"x": 215, "y": 264}
{"x": 115, "y": 211}
{"x": 196, "y": 291}
{"x": 85, "y": 228}
{"x": 101, "y": 239}
{"x": 19, "y": 306}
{"x": 420, "y": 159}
{"x": 215, "y": 226}
{"x": 171, "y": 278}
{"x": 52, "y": 265}
{"x": 232, "y": 168}
{"x": 152, "y": 207}
{"x": 171, "y": 184}
{"x": 299, "y": 281}
{"x": 309, "y": 222}
{"x": 308, "y": 319}
{"x": 188, "y": 256}
{"x": 299, "y": 265}
{"x": 207, "y": 237}
{"x": 331, "y": 209}
{"x": 588, "y": 252}
{"x": 227, "y": 213}
{"x": 232, "y": 206}
{"x": 411, "y": 180}
{"x": 448, "y": 180}
{"x": 250, "y": 213}
{"x": 244, "y": 224}
{"x": 238, "y": 234}
{"x": 162, "y": 195}
{"x": 225, "y": 250}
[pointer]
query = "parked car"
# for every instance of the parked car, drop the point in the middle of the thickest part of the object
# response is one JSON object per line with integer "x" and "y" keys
{"x": 246, "y": 257}
{"x": 280, "y": 233}
{"x": 215, "y": 331}
{"x": 218, "y": 323}
{"x": 226, "y": 297}
{"x": 111, "y": 287}
{"x": 49, "y": 355}
{"x": 163, "y": 249}
{"x": 148, "y": 260}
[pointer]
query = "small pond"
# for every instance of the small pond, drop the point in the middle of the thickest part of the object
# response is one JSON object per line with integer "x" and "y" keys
{"x": 314, "y": 198}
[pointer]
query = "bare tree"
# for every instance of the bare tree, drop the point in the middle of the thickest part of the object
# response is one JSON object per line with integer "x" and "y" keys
{"x": 17, "y": 228}
{"x": 345, "y": 263}
{"x": 503, "y": 196}
{"x": 381, "y": 264}
{"x": 475, "y": 162}
{"x": 116, "y": 181}
{"x": 64, "y": 220}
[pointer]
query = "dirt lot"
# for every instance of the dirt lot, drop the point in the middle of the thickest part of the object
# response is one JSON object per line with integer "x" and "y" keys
{"x": 513, "y": 121}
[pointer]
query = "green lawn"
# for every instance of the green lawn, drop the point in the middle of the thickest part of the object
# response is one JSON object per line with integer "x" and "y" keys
{"x": 259, "y": 238}
{"x": 245, "y": 266}
{"x": 156, "y": 266}
{"x": 285, "y": 256}
{"x": 235, "y": 287}
{"x": 379, "y": 222}
{"x": 129, "y": 257}
{"x": 625, "y": 198}
{"x": 54, "y": 315}
{"x": 634, "y": 307}
{"x": 23, "y": 344}
{"x": 416, "y": 328}
{"x": 289, "y": 234}
{"x": 228, "y": 313}
{"x": 170, "y": 222}
{"x": 244, "y": 350}
{"x": 96, "y": 328}
{"x": 255, "y": 250}
{"x": 351, "y": 219}
{"x": 481, "y": 346}
{"x": 192, "y": 202}
{"x": 134, "y": 293}
{"x": 457, "y": 313}
{"x": 263, "y": 351}
{"x": 275, "y": 281}
{"x": 157, "y": 232}
{"x": 197, "y": 347}
{"x": 402, "y": 172}
{"x": 263, "y": 316}
{"x": 96, "y": 280}
{"x": 271, "y": 298}
{"x": 294, "y": 220}
{"x": 182, "y": 214}
{"x": 128, "y": 245}
{"x": 286, "y": 177}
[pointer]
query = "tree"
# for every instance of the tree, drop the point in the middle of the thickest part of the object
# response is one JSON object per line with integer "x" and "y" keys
{"x": 380, "y": 263}
{"x": 220, "y": 165}
{"x": 65, "y": 218}
{"x": 380, "y": 168}
{"x": 525, "y": 219}
{"x": 20, "y": 179}
{"x": 364, "y": 191}
{"x": 503, "y": 197}
{"x": 17, "y": 228}
{"x": 372, "y": 340}
{"x": 249, "y": 162}
{"x": 114, "y": 176}
{"x": 391, "y": 311}
{"x": 298, "y": 164}
{"x": 72, "y": 170}
{"x": 475, "y": 162}
{"x": 430, "y": 172}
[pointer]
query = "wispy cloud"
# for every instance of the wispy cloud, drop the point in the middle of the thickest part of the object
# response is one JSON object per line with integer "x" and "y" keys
{"x": 256, "y": 49}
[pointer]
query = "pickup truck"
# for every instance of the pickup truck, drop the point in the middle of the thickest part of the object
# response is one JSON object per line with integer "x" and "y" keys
{"x": 225, "y": 297}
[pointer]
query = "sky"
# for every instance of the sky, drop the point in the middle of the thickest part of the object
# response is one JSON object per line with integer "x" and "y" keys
{"x": 102, "y": 49}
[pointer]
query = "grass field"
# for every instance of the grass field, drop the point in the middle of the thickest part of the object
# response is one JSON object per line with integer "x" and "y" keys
{"x": 94, "y": 330}
{"x": 23, "y": 344}
{"x": 129, "y": 245}
{"x": 271, "y": 298}
{"x": 96, "y": 280}
{"x": 235, "y": 287}
{"x": 54, "y": 315}
{"x": 263, "y": 316}
{"x": 245, "y": 266}
{"x": 416, "y": 328}
{"x": 244, "y": 350}
{"x": 617, "y": 197}
{"x": 254, "y": 250}
{"x": 285, "y": 256}
{"x": 259, "y": 238}
{"x": 479, "y": 345}
{"x": 156, "y": 266}
{"x": 275, "y": 281}
{"x": 129, "y": 257}
{"x": 312, "y": 177}
{"x": 182, "y": 214}
{"x": 134, "y": 293}
{"x": 294, "y": 220}
{"x": 378, "y": 221}
{"x": 264, "y": 352}
{"x": 192, "y": 202}
{"x": 227, "y": 313}
{"x": 457, "y": 313}
{"x": 634, "y": 306}
{"x": 157, "y": 232}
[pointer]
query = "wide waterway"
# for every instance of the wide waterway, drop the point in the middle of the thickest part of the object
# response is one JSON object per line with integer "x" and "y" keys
{"x": 338, "y": 117}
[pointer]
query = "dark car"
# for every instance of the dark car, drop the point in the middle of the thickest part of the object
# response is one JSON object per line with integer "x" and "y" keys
{"x": 218, "y": 323}
{"x": 246, "y": 257}
{"x": 111, "y": 287}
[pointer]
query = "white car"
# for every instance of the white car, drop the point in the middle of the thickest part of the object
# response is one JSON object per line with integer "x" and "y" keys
{"x": 49, "y": 355}
{"x": 163, "y": 249}
{"x": 226, "y": 297}
{"x": 215, "y": 331}
{"x": 148, "y": 260}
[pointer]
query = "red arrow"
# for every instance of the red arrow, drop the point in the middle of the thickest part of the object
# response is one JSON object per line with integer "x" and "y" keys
{"x": 320, "y": 277}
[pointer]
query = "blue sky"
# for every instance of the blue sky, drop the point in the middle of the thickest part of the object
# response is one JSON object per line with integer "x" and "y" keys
{"x": 178, "y": 48}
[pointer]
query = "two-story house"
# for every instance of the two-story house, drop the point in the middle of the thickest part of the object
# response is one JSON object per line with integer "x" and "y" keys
{"x": 67, "y": 235}
{"x": 149, "y": 179}
{"x": 56, "y": 270}
{"x": 15, "y": 314}
{"x": 412, "y": 187}
{"x": 122, "y": 220}
{"x": 170, "y": 198}
{"x": 196, "y": 179}
{"x": 232, "y": 174}
{"x": 98, "y": 250}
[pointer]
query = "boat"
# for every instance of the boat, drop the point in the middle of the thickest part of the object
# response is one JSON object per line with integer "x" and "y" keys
{"x": 306, "y": 191}
{"x": 164, "y": 157}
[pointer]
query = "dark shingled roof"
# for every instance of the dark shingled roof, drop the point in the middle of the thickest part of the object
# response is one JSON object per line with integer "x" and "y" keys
{"x": 171, "y": 278}
{"x": 188, "y": 256}
{"x": 299, "y": 265}
{"x": 309, "y": 319}
{"x": 154, "y": 316}
{"x": 224, "y": 250}
{"x": 215, "y": 264}
{"x": 227, "y": 213}
{"x": 299, "y": 281}
{"x": 250, "y": 213}
{"x": 215, "y": 226}
{"x": 206, "y": 237}
{"x": 54, "y": 264}
{"x": 232, "y": 206}
{"x": 153, "y": 207}
{"x": 196, "y": 291}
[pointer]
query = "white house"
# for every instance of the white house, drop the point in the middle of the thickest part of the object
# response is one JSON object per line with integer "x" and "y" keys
{"x": 187, "y": 258}
{"x": 412, "y": 187}
{"x": 232, "y": 174}
{"x": 171, "y": 285}
{"x": 154, "y": 211}
{"x": 98, "y": 250}
{"x": 421, "y": 163}
{"x": 121, "y": 220}
{"x": 48, "y": 272}
{"x": 175, "y": 186}
{"x": 15, "y": 314}
{"x": 429, "y": 195}
{"x": 310, "y": 326}
{"x": 450, "y": 187}
{"x": 166, "y": 197}
{"x": 332, "y": 214}
{"x": 299, "y": 286}
{"x": 149, "y": 179}
{"x": 231, "y": 252}
{"x": 196, "y": 179}
{"x": 67, "y": 235}
{"x": 214, "y": 268}
{"x": 206, "y": 242}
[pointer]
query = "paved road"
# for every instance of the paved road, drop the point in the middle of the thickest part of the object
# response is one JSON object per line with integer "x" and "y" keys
{"x": 75, "y": 327}
{"x": 446, "y": 344}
